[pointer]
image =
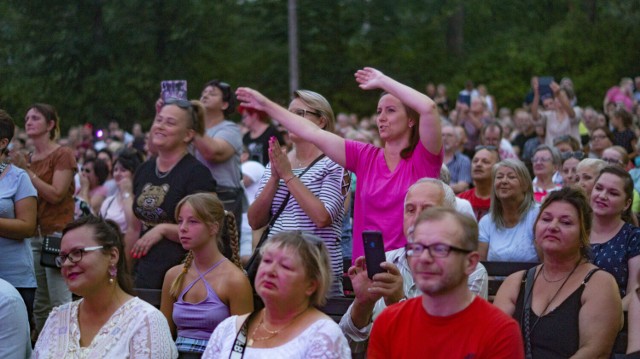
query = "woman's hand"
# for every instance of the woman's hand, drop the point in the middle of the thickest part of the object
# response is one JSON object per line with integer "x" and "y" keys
{"x": 144, "y": 243}
{"x": 369, "y": 78}
{"x": 280, "y": 165}
{"x": 534, "y": 84}
{"x": 19, "y": 159}
{"x": 252, "y": 99}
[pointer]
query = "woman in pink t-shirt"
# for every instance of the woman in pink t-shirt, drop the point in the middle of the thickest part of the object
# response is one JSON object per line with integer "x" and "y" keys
{"x": 409, "y": 126}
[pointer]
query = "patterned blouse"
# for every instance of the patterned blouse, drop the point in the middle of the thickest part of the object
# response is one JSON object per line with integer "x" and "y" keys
{"x": 614, "y": 254}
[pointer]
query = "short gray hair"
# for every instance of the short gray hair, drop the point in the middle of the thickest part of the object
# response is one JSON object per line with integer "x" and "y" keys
{"x": 449, "y": 198}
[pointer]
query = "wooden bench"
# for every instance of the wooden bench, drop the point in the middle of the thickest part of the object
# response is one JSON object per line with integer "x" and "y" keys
{"x": 335, "y": 307}
{"x": 498, "y": 271}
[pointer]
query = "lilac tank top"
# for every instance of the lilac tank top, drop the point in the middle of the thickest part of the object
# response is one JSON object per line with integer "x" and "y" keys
{"x": 198, "y": 320}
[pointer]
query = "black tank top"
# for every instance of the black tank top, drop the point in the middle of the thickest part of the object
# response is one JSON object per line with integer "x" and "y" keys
{"x": 556, "y": 334}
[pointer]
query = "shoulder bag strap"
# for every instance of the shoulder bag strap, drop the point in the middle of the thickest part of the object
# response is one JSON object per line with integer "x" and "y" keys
{"x": 240, "y": 343}
{"x": 286, "y": 200}
{"x": 526, "y": 311}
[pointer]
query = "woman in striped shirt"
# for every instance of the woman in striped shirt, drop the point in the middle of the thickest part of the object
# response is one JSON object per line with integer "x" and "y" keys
{"x": 317, "y": 196}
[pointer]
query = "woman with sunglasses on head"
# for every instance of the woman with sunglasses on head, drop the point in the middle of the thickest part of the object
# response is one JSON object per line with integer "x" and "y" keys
{"x": 220, "y": 147}
{"x": 566, "y": 306}
{"x": 615, "y": 241}
{"x": 158, "y": 185}
{"x": 51, "y": 168}
{"x": 18, "y": 213}
{"x": 207, "y": 288}
{"x": 293, "y": 279}
{"x": 410, "y": 128}
{"x": 108, "y": 322}
{"x": 506, "y": 232}
{"x": 315, "y": 184}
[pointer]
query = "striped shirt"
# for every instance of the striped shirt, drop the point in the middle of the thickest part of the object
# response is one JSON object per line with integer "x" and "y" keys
{"x": 324, "y": 180}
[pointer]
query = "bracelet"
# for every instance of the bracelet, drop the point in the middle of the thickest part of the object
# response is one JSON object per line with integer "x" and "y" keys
{"x": 289, "y": 180}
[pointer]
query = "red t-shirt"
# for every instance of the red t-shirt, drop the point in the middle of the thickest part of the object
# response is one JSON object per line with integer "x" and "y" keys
{"x": 480, "y": 206}
{"x": 479, "y": 331}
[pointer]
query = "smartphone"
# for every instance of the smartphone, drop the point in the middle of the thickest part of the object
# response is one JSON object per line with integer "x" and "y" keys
{"x": 466, "y": 99}
{"x": 544, "y": 85}
{"x": 373, "y": 252}
{"x": 173, "y": 89}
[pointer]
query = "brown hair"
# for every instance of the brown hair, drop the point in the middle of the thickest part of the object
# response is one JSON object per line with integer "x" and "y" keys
{"x": 50, "y": 115}
{"x": 107, "y": 233}
{"x": 414, "y": 136}
{"x": 578, "y": 199}
{"x": 627, "y": 188}
{"x": 208, "y": 209}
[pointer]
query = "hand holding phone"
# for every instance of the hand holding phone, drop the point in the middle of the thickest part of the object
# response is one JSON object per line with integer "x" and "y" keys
{"x": 373, "y": 252}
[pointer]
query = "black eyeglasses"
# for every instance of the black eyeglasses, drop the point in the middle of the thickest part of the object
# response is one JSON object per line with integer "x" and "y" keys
{"x": 612, "y": 161}
{"x": 185, "y": 105}
{"x": 303, "y": 113}
{"x": 579, "y": 155}
{"x": 75, "y": 255}
{"x": 86, "y": 170}
{"x": 436, "y": 250}
{"x": 482, "y": 147}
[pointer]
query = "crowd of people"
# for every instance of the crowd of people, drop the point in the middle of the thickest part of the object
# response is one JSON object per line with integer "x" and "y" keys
{"x": 192, "y": 207}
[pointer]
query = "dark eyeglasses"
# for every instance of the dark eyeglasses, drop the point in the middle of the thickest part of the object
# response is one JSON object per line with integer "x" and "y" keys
{"x": 86, "y": 170}
{"x": 490, "y": 148}
{"x": 611, "y": 161}
{"x": 436, "y": 250}
{"x": 303, "y": 113}
{"x": 579, "y": 155}
{"x": 185, "y": 105}
{"x": 75, "y": 255}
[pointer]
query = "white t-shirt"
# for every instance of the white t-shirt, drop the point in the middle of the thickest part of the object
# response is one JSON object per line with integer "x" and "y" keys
{"x": 253, "y": 170}
{"x": 515, "y": 244}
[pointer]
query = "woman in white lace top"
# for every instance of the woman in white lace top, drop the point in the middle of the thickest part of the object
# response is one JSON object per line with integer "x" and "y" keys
{"x": 109, "y": 322}
{"x": 292, "y": 280}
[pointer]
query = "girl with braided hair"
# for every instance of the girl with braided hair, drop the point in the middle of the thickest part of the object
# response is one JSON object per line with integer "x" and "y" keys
{"x": 207, "y": 287}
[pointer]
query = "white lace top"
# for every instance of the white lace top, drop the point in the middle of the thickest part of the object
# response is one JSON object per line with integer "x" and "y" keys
{"x": 135, "y": 330}
{"x": 322, "y": 339}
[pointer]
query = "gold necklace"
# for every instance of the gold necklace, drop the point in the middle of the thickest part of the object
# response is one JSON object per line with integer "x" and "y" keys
{"x": 271, "y": 333}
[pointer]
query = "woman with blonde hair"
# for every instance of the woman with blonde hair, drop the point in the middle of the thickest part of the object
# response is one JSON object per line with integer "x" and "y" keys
{"x": 293, "y": 279}
{"x": 158, "y": 185}
{"x": 207, "y": 288}
{"x": 506, "y": 232}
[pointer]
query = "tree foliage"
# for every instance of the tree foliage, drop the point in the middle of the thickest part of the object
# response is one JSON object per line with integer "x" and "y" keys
{"x": 96, "y": 60}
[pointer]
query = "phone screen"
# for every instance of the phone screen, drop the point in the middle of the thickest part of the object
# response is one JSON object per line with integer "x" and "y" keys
{"x": 373, "y": 252}
{"x": 173, "y": 89}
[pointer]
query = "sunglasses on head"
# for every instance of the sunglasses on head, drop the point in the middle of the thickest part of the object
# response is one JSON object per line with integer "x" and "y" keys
{"x": 185, "y": 105}
{"x": 579, "y": 155}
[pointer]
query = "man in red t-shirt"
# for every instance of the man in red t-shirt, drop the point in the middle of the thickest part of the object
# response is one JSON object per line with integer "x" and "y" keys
{"x": 481, "y": 173}
{"x": 447, "y": 320}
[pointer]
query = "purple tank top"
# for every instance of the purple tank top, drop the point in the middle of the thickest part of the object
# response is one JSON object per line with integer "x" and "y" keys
{"x": 198, "y": 320}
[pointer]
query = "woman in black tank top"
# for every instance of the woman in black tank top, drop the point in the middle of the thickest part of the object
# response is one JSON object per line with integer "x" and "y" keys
{"x": 565, "y": 306}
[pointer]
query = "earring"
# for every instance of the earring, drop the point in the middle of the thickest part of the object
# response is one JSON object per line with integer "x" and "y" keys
{"x": 113, "y": 272}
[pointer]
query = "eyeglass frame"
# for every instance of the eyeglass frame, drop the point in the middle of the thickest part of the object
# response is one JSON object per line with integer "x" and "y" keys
{"x": 61, "y": 258}
{"x": 579, "y": 155}
{"x": 185, "y": 105}
{"x": 303, "y": 113}
{"x": 422, "y": 247}
{"x": 612, "y": 161}
{"x": 541, "y": 160}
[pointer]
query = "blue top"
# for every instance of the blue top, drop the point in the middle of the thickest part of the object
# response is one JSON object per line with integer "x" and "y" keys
{"x": 14, "y": 331}
{"x": 198, "y": 320}
{"x": 614, "y": 254}
{"x": 16, "y": 266}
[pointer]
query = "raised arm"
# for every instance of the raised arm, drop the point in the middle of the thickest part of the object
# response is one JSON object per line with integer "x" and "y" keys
{"x": 561, "y": 95}
{"x": 430, "y": 131}
{"x": 536, "y": 99}
{"x": 331, "y": 144}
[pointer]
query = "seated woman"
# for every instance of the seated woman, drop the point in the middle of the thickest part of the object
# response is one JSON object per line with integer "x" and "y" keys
{"x": 569, "y": 168}
{"x": 574, "y": 309}
{"x": 293, "y": 278}
{"x": 506, "y": 232}
{"x": 118, "y": 206}
{"x": 208, "y": 288}
{"x": 312, "y": 185}
{"x": 546, "y": 161}
{"x": 587, "y": 171}
{"x": 108, "y": 322}
{"x": 615, "y": 242}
